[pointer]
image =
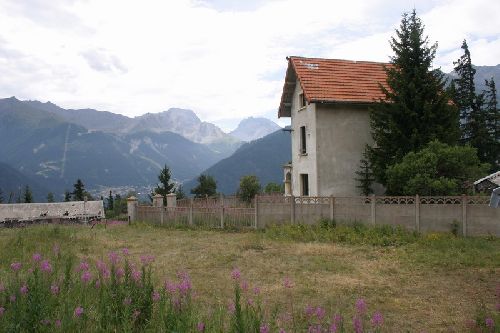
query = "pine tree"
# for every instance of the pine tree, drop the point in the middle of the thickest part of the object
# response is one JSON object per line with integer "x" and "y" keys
{"x": 475, "y": 109}
{"x": 493, "y": 123}
{"x": 27, "y": 195}
{"x": 1, "y": 196}
{"x": 464, "y": 92}
{"x": 416, "y": 107}
{"x": 365, "y": 174}
{"x": 78, "y": 190}
{"x": 166, "y": 186}
{"x": 67, "y": 196}
{"x": 110, "y": 200}
{"x": 207, "y": 187}
{"x": 50, "y": 197}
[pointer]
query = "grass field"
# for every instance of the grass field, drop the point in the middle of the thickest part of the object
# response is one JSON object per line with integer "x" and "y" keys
{"x": 420, "y": 283}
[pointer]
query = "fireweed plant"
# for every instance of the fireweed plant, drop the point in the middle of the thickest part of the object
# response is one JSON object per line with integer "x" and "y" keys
{"x": 50, "y": 292}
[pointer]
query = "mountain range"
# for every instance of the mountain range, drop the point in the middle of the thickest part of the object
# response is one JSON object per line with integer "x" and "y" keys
{"x": 52, "y": 146}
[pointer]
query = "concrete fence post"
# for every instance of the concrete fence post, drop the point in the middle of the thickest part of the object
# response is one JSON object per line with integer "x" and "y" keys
{"x": 292, "y": 209}
{"x": 417, "y": 213}
{"x": 132, "y": 208}
{"x": 221, "y": 211}
{"x": 464, "y": 215}
{"x": 256, "y": 205}
{"x": 190, "y": 211}
{"x": 373, "y": 210}
{"x": 332, "y": 207}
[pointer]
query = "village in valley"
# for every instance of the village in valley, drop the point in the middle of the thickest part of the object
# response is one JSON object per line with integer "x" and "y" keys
{"x": 367, "y": 200}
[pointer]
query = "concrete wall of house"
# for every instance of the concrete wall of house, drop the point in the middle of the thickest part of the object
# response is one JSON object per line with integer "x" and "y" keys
{"x": 342, "y": 132}
{"x": 303, "y": 163}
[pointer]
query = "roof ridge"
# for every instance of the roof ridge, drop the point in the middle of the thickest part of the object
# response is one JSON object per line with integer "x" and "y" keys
{"x": 337, "y": 59}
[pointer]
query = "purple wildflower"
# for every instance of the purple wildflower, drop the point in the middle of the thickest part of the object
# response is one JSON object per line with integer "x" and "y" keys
{"x": 120, "y": 272}
{"x": 264, "y": 329}
{"x": 282, "y": 330}
{"x": 201, "y": 327}
{"x": 97, "y": 284}
{"x": 309, "y": 310}
{"x": 24, "y": 289}
{"x": 127, "y": 301}
{"x": 231, "y": 307}
{"x": 236, "y": 274}
{"x": 333, "y": 328}
{"x": 489, "y": 323}
{"x": 12, "y": 298}
{"x": 86, "y": 277}
{"x": 45, "y": 322}
{"x": 136, "y": 314}
{"x": 320, "y": 313}
{"x": 314, "y": 329}
{"x": 377, "y": 319}
{"x": 147, "y": 259}
{"x": 244, "y": 286}
{"x": 46, "y": 267}
{"x": 185, "y": 286}
{"x": 357, "y": 324}
{"x": 78, "y": 312}
{"x": 114, "y": 258}
{"x": 256, "y": 290}
{"x": 170, "y": 287}
{"x": 250, "y": 301}
{"x": 287, "y": 283}
{"x": 54, "y": 289}
{"x": 337, "y": 319}
{"x": 361, "y": 306}
{"x": 84, "y": 266}
{"x": 155, "y": 296}
{"x": 136, "y": 275}
{"x": 2, "y": 310}
{"x": 57, "y": 322}
{"x": 15, "y": 266}
{"x": 103, "y": 269}
{"x": 125, "y": 251}
{"x": 37, "y": 257}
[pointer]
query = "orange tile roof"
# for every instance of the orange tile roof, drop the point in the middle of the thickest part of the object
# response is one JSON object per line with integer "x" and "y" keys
{"x": 333, "y": 81}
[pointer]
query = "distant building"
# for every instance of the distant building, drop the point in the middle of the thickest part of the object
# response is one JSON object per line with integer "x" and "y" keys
{"x": 328, "y": 101}
{"x": 57, "y": 212}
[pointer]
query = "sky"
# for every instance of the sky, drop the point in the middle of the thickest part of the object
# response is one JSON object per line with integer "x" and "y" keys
{"x": 224, "y": 59}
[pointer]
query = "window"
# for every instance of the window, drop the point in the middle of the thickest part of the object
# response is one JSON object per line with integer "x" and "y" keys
{"x": 302, "y": 100}
{"x": 304, "y": 186}
{"x": 303, "y": 145}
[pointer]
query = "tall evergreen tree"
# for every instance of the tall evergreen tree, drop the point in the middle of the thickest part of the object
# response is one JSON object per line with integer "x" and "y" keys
{"x": 464, "y": 92}
{"x": 493, "y": 123}
{"x": 416, "y": 107}
{"x": 50, "y": 197}
{"x": 165, "y": 186}
{"x": 27, "y": 195}
{"x": 78, "y": 190}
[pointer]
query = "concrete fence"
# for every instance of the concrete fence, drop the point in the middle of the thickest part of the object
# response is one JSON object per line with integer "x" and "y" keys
{"x": 469, "y": 214}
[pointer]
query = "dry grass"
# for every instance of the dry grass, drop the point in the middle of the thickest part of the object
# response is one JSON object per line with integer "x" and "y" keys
{"x": 409, "y": 292}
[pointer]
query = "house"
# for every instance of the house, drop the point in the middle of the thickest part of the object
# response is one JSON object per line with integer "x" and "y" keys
{"x": 488, "y": 183}
{"x": 328, "y": 101}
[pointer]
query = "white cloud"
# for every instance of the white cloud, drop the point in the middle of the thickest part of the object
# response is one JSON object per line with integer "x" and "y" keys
{"x": 224, "y": 59}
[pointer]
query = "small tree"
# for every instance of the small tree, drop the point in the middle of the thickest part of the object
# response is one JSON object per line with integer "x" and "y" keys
{"x": 50, "y": 197}
{"x": 438, "y": 169}
{"x": 110, "y": 200}
{"x": 67, "y": 196}
{"x": 249, "y": 188}
{"x": 272, "y": 188}
{"x": 165, "y": 186}
{"x": 207, "y": 187}
{"x": 365, "y": 177}
{"x": 1, "y": 196}
{"x": 179, "y": 192}
{"x": 27, "y": 195}
{"x": 493, "y": 124}
{"x": 78, "y": 190}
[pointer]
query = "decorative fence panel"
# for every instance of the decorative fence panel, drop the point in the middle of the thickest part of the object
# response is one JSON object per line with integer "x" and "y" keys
{"x": 467, "y": 215}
